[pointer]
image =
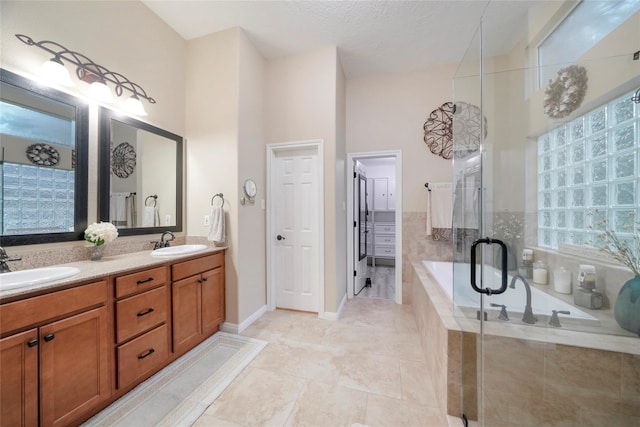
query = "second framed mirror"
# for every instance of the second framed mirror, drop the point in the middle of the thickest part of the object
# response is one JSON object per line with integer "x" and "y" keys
{"x": 140, "y": 175}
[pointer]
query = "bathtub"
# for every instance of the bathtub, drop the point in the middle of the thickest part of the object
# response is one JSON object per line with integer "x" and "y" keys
{"x": 468, "y": 300}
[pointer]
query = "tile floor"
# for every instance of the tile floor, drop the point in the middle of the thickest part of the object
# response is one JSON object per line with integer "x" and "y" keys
{"x": 383, "y": 283}
{"x": 367, "y": 369}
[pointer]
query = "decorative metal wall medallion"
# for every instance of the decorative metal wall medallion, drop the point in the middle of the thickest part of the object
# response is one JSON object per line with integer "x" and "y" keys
{"x": 43, "y": 155}
{"x": 467, "y": 127}
{"x": 438, "y": 130}
{"x": 566, "y": 92}
{"x": 123, "y": 160}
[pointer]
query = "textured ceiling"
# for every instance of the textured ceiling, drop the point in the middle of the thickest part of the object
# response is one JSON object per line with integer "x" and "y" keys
{"x": 372, "y": 37}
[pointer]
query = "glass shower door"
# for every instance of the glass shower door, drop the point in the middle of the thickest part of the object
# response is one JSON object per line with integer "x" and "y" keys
{"x": 550, "y": 183}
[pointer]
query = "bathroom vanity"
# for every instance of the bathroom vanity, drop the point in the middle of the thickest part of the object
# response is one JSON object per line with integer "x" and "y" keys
{"x": 70, "y": 348}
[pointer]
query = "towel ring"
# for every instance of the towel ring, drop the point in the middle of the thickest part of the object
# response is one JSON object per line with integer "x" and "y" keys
{"x": 221, "y": 198}
{"x": 154, "y": 197}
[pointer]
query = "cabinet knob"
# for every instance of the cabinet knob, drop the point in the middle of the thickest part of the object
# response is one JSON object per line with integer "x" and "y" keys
{"x": 32, "y": 342}
{"x": 49, "y": 337}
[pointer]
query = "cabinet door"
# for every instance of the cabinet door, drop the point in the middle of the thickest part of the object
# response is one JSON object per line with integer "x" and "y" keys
{"x": 19, "y": 379}
{"x": 187, "y": 320}
{"x": 74, "y": 366}
{"x": 380, "y": 194}
{"x": 391, "y": 194}
{"x": 212, "y": 300}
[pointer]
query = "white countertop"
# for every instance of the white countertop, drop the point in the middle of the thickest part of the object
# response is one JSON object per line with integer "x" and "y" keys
{"x": 108, "y": 265}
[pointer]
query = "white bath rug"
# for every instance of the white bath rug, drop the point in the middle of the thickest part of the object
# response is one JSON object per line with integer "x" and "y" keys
{"x": 182, "y": 391}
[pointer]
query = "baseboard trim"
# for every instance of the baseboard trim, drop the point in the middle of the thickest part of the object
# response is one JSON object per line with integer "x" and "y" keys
{"x": 234, "y": 328}
{"x": 331, "y": 315}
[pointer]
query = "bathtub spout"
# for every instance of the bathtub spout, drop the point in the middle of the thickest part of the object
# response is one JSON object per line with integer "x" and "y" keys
{"x": 528, "y": 316}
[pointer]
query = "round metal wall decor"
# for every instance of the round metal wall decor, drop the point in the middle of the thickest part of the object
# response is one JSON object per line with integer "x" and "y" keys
{"x": 123, "y": 160}
{"x": 43, "y": 155}
{"x": 565, "y": 93}
{"x": 467, "y": 127}
{"x": 438, "y": 130}
{"x": 441, "y": 126}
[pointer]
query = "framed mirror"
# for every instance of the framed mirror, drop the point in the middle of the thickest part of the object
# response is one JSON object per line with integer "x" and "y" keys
{"x": 140, "y": 176}
{"x": 362, "y": 216}
{"x": 43, "y": 161}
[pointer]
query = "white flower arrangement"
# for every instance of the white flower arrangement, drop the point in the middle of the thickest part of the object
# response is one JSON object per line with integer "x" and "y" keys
{"x": 100, "y": 233}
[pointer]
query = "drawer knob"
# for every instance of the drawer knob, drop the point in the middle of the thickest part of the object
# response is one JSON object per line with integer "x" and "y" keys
{"x": 146, "y": 354}
{"x": 140, "y": 282}
{"x": 144, "y": 313}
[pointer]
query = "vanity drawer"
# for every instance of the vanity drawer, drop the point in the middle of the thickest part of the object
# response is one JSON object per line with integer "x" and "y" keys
{"x": 137, "y": 282}
{"x": 385, "y": 228}
{"x": 140, "y": 312}
{"x": 142, "y": 355}
{"x": 196, "y": 266}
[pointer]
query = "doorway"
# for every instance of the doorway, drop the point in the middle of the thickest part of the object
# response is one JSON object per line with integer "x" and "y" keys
{"x": 295, "y": 230}
{"x": 375, "y": 210}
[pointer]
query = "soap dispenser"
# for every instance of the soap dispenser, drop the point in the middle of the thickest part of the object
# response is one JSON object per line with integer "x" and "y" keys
{"x": 586, "y": 295}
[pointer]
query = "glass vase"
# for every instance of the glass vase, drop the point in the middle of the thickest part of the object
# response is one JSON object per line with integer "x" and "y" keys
{"x": 96, "y": 253}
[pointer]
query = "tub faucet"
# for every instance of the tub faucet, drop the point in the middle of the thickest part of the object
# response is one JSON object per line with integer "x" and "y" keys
{"x": 4, "y": 258}
{"x": 528, "y": 316}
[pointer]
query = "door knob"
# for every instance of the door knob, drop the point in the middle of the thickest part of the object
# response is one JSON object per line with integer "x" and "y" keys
{"x": 279, "y": 237}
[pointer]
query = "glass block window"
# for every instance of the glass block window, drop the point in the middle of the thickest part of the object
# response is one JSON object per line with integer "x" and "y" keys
{"x": 589, "y": 171}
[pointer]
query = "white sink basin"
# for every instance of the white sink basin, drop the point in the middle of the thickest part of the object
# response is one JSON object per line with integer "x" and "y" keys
{"x": 18, "y": 279}
{"x": 178, "y": 250}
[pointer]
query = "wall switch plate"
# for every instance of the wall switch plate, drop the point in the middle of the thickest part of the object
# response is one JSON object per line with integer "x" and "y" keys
{"x": 206, "y": 220}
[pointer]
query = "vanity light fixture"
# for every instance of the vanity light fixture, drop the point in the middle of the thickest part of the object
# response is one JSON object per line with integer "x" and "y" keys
{"x": 88, "y": 71}
{"x": 55, "y": 71}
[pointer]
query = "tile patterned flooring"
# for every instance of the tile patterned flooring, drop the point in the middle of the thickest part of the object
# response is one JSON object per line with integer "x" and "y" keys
{"x": 383, "y": 283}
{"x": 367, "y": 368}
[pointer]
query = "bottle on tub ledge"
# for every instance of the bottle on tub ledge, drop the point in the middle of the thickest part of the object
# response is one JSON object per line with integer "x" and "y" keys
{"x": 526, "y": 269}
{"x": 586, "y": 295}
{"x": 540, "y": 273}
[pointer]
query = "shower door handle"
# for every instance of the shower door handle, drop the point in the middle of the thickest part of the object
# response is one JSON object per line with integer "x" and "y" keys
{"x": 489, "y": 291}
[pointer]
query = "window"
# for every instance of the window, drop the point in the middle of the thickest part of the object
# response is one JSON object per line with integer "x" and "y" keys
{"x": 589, "y": 171}
{"x": 583, "y": 28}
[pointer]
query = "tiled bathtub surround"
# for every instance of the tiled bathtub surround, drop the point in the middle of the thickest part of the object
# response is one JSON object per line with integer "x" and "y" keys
{"x": 417, "y": 247}
{"x": 546, "y": 379}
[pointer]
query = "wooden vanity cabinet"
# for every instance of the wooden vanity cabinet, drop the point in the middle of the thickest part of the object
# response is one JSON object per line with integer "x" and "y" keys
{"x": 58, "y": 370}
{"x": 197, "y": 300}
{"x": 142, "y": 317}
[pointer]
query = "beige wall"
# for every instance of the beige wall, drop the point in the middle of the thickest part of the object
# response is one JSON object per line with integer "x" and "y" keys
{"x": 300, "y": 105}
{"x": 388, "y": 112}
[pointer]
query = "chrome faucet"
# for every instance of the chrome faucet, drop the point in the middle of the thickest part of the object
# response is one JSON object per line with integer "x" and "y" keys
{"x": 4, "y": 258}
{"x": 164, "y": 243}
{"x": 528, "y": 316}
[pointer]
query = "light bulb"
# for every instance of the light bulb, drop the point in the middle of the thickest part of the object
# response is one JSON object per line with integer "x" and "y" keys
{"x": 100, "y": 91}
{"x": 134, "y": 106}
{"x": 54, "y": 71}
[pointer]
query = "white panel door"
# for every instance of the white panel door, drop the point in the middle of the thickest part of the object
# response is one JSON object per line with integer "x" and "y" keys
{"x": 296, "y": 229}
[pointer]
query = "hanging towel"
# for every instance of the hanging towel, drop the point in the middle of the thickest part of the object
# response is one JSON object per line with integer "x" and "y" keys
{"x": 117, "y": 209}
{"x": 217, "y": 232}
{"x": 439, "y": 207}
{"x": 131, "y": 214}
{"x": 151, "y": 217}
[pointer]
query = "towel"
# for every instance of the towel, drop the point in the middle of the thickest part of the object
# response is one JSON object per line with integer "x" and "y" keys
{"x": 151, "y": 217}
{"x": 439, "y": 207}
{"x": 131, "y": 214}
{"x": 117, "y": 209}
{"x": 216, "y": 225}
